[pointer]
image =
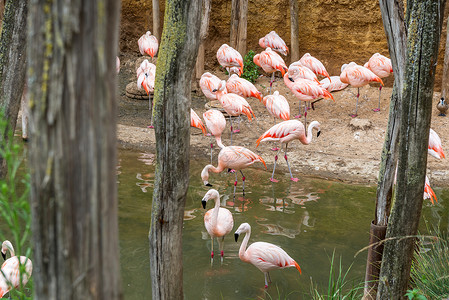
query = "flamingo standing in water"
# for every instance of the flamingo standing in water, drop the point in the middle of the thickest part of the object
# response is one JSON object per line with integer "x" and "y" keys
{"x": 233, "y": 104}
{"x": 275, "y": 42}
{"x": 195, "y": 121}
{"x": 314, "y": 64}
{"x": 148, "y": 44}
{"x": 228, "y": 57}
{"x": 357, "y": 76}
{"x": 382, "y": 67}
{"x": 216, "y": 123}
{"x": 146, "y": 75}
{"x": 306, "y": 90}
{"x": 232, "y": 157}
{"x": 286, "y": 132}
{"x": 435, "y": 148}
{"x": 264, "y": 256}
{"x": 218, "y": 221}
{"x": 10, "y": 274}
{"x": 270, "y": 62}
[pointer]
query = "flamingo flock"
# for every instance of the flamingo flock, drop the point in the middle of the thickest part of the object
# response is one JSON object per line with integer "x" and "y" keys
{"x": 308, "y": 81}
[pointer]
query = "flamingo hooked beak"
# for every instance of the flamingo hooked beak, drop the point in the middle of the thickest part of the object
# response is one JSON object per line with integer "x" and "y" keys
{"x": 4, "y": 255}
{"x": 214, "y": 90}
{"x": 203, "y": 202}
{"x": 236, "y": 236}
{"x": 291, "y": 79}
{"x": 206, "y": 183}
{"x": 318, "y": 133}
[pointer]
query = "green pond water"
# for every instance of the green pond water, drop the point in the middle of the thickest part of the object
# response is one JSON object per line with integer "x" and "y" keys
{"x": 309, "y": 219}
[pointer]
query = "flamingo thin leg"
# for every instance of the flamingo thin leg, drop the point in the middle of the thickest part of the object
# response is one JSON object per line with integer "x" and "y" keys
{"x": 150, "y": 104}
{"x": 230, "y": 121}
{"x": 378, "y": 106}
{"x": 271, "y": 81}
{"x": 305, "y": 114}
{"x": 356, "y": 104}
{"x": 212, "y": 247}
{"x": 274, "y": 167}
{"x": 266, "y": 279}
{"x": 288, "y": 165}
{"x": 211, "y": 147}
{"x": 235, "y": 183}
{"x": 299, "y": 115}
{"x": 243, "y": 180}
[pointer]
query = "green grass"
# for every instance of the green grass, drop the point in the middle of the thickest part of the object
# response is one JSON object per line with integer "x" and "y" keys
{"x": 430, "y": 268}
{"x": 339, "y": 286}
{"x": 250, "y": 69}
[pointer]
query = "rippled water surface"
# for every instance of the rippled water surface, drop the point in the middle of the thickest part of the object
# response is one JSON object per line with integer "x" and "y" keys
{"x": 309, "y": 219}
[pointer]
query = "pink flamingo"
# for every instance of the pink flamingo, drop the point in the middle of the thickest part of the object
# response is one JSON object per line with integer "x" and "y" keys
{"x": 333, "y": 84}
{"x": 146, "y": 75}
{"x": 228, "y": 57}
{"x": 216, "y": 123}
{"x": 10, "y": 274}
{"x": 297, "y": 70}
{"x": 270, "y": 62}
{"x": 275, "y": 42}
{"x": 242, "y": 87}
{"x": 218, "y": 221}
{"x": 429, "y": 193}
{"x": 382, "y": 67}
{"x": 232, "y": 157}
{"x": 277, "y": 107}
{"x": 286, "y": 132}
{"x": 314, "y": 64}
{"x": 117, "y": 64}
{"x": 195, "y": 121}
{"x": 357, "y": 76}
{"x": 148, "y": 44}
{"x": 306, "y": 90}
{"x": 233, "y": 104}
{"x": 264, "y": 256}
{"x": 435, "y": 148}
{"x": 208, "y": 83}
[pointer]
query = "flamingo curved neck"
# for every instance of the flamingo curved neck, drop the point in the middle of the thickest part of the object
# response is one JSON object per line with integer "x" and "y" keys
{"x": 9, "y": 246}
{"x": 242, "y": 250}
{"x": 215, "y": 211}
{"x": 219, "y": 143}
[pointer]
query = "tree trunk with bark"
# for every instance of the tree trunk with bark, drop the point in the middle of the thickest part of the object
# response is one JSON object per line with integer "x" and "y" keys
{"x": 445, "y": 80}
{"x": 12, "y": 65}
{"x": 72, "y": 88}
{"x": 177, "y": 55}
{"x": 294, "y": 31}
{"x": 234, "y": 32}
{"x": 156, "y": 20}
{"x": 243, "y": 24}
{"x": 424, "y": 30}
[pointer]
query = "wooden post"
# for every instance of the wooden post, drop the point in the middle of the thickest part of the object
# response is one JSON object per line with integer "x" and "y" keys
{"x": 242, "y": 27}
{"x": 235, "y": 13}
{"x": 294, "y": 31}
{"x": 199, "y": 67}
{"x": 72, "y": 89}
{"x": 12, "y": 65}
{"x": 445, "y": 79}
{"x": 156, "y": 20}
{"x": 177, "y": 55}
{"x": 424, "y": 29}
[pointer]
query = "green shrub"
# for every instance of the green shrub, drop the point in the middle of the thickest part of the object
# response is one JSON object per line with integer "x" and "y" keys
{"x": 250, "y": 69}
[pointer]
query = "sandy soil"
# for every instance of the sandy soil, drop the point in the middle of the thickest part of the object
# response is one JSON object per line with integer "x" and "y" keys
{"x": 348, "y": 149}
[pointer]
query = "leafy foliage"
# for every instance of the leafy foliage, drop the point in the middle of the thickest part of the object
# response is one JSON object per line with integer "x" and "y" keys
{"x": 250, "y": 69}
{"x": 430, "y": 267}
{"x": 14, "y": 205}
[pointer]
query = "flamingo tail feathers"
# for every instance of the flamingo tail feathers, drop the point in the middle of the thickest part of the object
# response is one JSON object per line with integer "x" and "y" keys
{"x": 260, "y": 139}
{"x": 262, "y": 161}
{"x": 328, "y": 95}
{"x": 378, "y": 80}
{"x": 431, "y": 193}
{"x": 297, "y": 267}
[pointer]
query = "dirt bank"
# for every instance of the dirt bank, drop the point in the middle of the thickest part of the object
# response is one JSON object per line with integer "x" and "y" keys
{"x": 348, "y": 149}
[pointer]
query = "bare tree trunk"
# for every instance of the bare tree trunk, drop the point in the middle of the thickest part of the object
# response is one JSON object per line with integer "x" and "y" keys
{"x": 156, "y": 20}
{"x": 235, "y": 13}
{"x": 177, "y": 55}
{"x": 422, "y": 51}
{"x": 294, "y": 31}
{"x": 12, "y": 65}
{"x": 242, "y": 31}
{"x": 394, "y": 25}
{"x": 72, "y": 88}
{"x": 445, "y": 80}
{"x": 199, "y": 67}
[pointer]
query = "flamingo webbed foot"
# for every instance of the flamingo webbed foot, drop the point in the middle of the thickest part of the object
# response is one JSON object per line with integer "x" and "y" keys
{"x": 294, "y": 179}
{"x": 236, "y": 131}
{"x": 376, "y": 109}
{"x": 208, "y": 134}
{"x": 353, "y": 115}
{"x": 231, "y": 171}
{"x": 150, "y": 126}
{"x": 275, "y": 149}
{"x": 274, "y": 180}
{"x": 298, "y": 116}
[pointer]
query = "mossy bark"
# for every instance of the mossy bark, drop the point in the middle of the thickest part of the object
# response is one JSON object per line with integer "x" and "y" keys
{"x": 171, "y": 112}
{"x": 72, "y": 89}
{"x": 423, "y": 36}
{"x": 12, "y": 65}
